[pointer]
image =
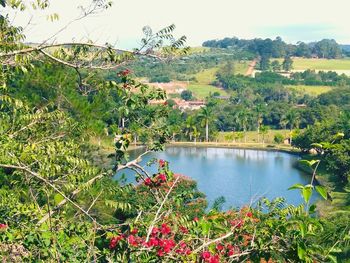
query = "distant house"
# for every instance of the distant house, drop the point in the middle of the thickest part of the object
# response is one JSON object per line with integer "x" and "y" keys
{"x": 181, "y": 104}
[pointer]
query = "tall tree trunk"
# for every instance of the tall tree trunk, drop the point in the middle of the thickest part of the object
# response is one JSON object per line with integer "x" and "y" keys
{"x": 207, "y": 131}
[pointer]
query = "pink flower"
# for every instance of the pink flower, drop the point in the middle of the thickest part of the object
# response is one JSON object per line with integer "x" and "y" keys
{"x": 195, "y": 219}
{"x": 132, "y": 240}
{"x": 153, "y": 242}
{"x": 214, "y": 259}
{"x": 161, "y": 163}
{"x": 160, "y": 253}
{"x": 148, "y": 181}
{"x": 206, "y": 255}
{"x": 238, "y": 223}
{"x": 184, "y": 230}
{"x": 165, "y": 229}
{"x": 114, "y": 241}
{"x": 162, "y": 177}
{"x": 219, "y": 247}
{"x": 3, "y": 226}
{"x": 125, "y": 72}
{"x": 155, "y": 231}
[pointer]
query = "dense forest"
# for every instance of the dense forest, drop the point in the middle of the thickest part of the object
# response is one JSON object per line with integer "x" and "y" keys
{"x": 58, "y": 204}
{"x": 326, "y": 48}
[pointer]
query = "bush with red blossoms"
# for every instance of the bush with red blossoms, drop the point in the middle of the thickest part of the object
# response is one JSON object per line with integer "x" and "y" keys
{"x": 124, "y": 72}
{"x": 161, "y": 163}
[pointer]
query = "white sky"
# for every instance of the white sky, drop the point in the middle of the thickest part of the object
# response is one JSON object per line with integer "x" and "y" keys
{"x": 199, "y": 20}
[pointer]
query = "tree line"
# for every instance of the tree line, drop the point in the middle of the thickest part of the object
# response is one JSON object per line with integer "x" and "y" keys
{"x": 277, "y": 48}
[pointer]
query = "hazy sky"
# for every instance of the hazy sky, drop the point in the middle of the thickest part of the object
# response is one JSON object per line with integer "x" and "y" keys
{"x": 199, "y": 20}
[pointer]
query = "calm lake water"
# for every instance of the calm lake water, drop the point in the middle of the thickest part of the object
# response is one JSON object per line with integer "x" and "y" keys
{"x": 240, "y": 176}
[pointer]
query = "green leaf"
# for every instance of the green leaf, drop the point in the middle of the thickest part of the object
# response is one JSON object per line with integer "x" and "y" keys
{"x": 332, "y": 258}
{"x": 302, "y": 227}
{"x": 205, "y": 227}
{"x": 301, "y": 251}
{"x": 306, "y": 193}
{"x": 312, "y": 209}
{"x": 322, "y": 191}
{"x": 296, "y": 186}
{"x": 58, "y": 198}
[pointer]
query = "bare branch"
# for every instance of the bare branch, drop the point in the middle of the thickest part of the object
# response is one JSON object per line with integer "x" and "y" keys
{"x": 160, "y": 208}
{"x": 36, "y": 175}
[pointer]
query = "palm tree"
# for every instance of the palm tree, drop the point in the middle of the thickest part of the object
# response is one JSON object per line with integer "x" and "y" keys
{"x": 244, "y": 121}
{"x": 190, "y": 125}
{"x": 293, "y": 118}
{"x": 264, "y": 130}
{"x": 259, "y": 117}
{"x": 206, "y": 116}
{"x": 196, "y": 134}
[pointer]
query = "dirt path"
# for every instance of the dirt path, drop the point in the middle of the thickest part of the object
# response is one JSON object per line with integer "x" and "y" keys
{"x": 251, "y": 67}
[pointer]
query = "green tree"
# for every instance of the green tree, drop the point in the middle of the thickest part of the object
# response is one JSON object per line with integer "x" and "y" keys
{"x": 264, "y": 63}
{"x": 206, "y": 116}
{"x": 287, "y": 64}
{"x": 186, "y": 95}
{"x": 264, "y": 130}
{"x": 276, "y": 66}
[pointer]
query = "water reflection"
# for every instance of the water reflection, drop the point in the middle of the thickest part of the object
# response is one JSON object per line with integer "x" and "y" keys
{"x": 241, "y": 176}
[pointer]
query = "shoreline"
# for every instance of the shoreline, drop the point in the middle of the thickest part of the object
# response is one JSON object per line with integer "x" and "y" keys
{"x": 243, "y": 146}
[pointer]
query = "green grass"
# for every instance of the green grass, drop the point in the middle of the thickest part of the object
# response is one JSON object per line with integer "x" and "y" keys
{"x": 207, "y": 76}
{"x": 201, "y": 91}
{"x": 194, "y": 50}
{"x": 310, "y": 90}
{"x": 253, "y": 136}
{"x": 320, "y": 64}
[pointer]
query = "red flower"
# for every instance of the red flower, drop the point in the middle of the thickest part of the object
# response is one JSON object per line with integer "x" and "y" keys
{"x": 155, "y": 231}
{"x": 153, "y": 242}
{"x": 125, "y": 72}
{"x": 160, "y": 253}
{"x": 183, "y": 229}
{"x": 249, "y": 214}
{"x": 134, "y": 231}
{"x": 165, "y": 229}
{"x": 238, "y": 223}
{"x": 161, "y": 163}
{"x": 182, "y": 244}
{"x": 214, "y": 259}
{"x": 167, "y": 245}
{"x": 195, "y": 219}
{"x": 206, "y": 255}
{"x": 162, "y": 177}
{"x": 219, "y": 247}
{"x": 148, "y": 181}
{"x": 114, "y": 241}
{"x": 132, "y": 241}
{"x": 3, "y": 226}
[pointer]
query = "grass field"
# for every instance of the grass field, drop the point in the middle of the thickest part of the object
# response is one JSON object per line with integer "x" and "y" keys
{"x": 207, "y": 76}
{"x": 320, "y": 64}
{"x": 201, "y": 91}
{"x": 253, "y": 136}
{"x": 194, "y": 50}
{"x": 310, "y": 90}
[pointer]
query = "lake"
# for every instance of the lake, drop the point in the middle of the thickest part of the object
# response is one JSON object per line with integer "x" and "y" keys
{"x": 241, "y": 176}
